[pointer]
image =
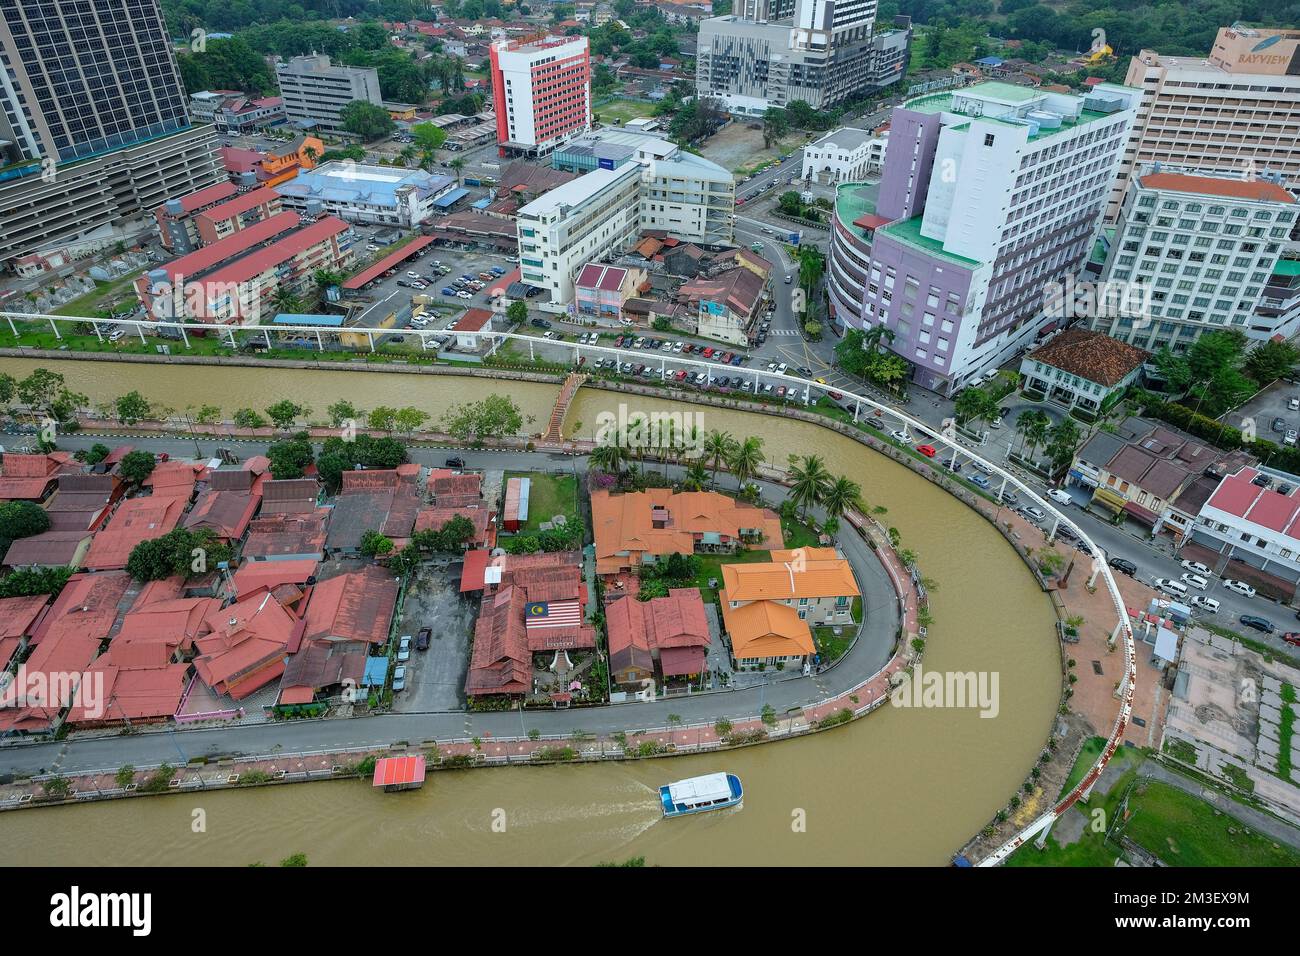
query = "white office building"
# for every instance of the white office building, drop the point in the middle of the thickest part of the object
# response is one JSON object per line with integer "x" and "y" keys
{"x": 1203, "y": 249}
{"x": 578, "y": 222}
{"x": 380, "y": 195}
{"x": 845, "y": 155}
{"x": 689, "y": 196}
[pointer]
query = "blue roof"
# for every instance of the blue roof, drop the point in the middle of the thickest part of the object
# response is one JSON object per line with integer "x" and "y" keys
{"x": 290, "y": 318}
{"x": 452, "y": 197}
{"x": 482, "y": 203}
{"x": 990, "y": 61}
{"x": 376, "y": 672}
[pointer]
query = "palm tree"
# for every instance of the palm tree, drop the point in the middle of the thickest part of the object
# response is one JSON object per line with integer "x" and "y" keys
{"x": 609, "y": 458}
{"x": 811, "y": 480}
{"x": 697, "y": 476}
{"x": 1024, "y": 424}
{"x": 718, "y": 446}
{"x": 285, "y": 299}
{"x": 457, "y": 164}
{"x": 1039, "y": 429}
{"x": 668, "y": 437}
{"x": 1064, "y": 439}
{"x": 745, "y": 459}
{"x": 841, "y": 495}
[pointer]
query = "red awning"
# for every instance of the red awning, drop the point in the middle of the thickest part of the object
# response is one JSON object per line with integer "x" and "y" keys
{"x": 395, "y": 771}
{"x": 471, "y": 575}
{"x": 386, "y": 263}
{"x": 1145, "y": 515}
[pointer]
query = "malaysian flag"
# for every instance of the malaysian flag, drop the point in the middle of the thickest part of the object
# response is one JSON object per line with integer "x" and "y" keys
{"x": 541, "y": 614}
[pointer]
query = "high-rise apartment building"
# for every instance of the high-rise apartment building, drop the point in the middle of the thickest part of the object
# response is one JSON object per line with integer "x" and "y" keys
{"x": 541, "y": 90}
{"x": 769, "y": 53}
{"x": 989, "y": 194}
{"x": 315, "y": 91}
{"x": 1235, "y": 111}
{"x": 1202, "y": 249}
{"x": 93, "y": 124}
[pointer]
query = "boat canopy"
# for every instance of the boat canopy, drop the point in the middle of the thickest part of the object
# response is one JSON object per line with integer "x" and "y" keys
{"x": 697, "y": 790}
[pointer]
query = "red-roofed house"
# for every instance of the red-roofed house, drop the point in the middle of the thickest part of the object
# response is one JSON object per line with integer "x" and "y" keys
{"x": 669, "y": 631}
{"x": 246, "y": 646}
{"x": 357, "y": 606}
{"x": 18, "y": 619}
{"x": 456, "y": 491}
{"x": 287, "y": 537}
{"x": 1250, "y": 528}
{"x": 226, "y": 514}
{"x": 269, "y": 575}
{"x": 31, "y": 477}
{"x": 67, "y": 640}
{"x": 136, "y": 520}
{"x": 175, "y": 217}
{"x": 432, "y": 519}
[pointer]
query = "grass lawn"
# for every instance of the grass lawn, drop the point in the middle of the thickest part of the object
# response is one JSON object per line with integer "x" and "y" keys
{"x": 798, "y": 535}
{"x": 1185, "y": 831}
{"x": 623, "y": 110}
{"x": 711, "y": 568}
{"x": 830, "y": 645}
{"x": 103, "y": 297}
{"x": 549, "y": 495}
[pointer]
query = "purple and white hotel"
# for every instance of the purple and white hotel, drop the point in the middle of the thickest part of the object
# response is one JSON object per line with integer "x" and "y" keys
{"x": 988, "y": 194}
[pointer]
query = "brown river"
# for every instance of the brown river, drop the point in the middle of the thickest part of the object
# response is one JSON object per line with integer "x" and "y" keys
{"x": 904, "y": 786}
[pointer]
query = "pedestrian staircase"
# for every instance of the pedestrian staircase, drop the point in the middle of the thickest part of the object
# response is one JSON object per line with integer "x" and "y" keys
{"x": 567, "y": 391}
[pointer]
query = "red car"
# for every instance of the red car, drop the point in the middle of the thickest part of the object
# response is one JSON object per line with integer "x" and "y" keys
{"x": 927, "y": 450}
{"x": 680, "y": 376}
{"x": 1292, "y": 638}
{"x": 707, "y": 353}
{"x": 725, "y": 358}
{"x": 835, "y": 396}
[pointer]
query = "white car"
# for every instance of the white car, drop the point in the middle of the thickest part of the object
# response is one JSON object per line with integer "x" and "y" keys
{"x": 1196, "y": 568}
{"x": 1033, "y": 514}
{"x": 1060, "y": 496}
{"x": 1241, "y": 587}
{"x": 901, "y": 436}
{"x": 464, "y": 295}
{"x": 781, "y": 369}
{"x": 1206, "y": 603}
{"x": 413, "y": 275}
{"x": 1194, "y": 581}
{"x": 404, "y": 648}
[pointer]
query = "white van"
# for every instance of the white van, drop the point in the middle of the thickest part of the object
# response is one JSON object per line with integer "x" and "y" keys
{"x": 1173, "y": 588}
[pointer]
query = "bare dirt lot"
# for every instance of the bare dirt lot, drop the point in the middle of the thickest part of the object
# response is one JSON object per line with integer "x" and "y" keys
{"x": 737, "y": 147}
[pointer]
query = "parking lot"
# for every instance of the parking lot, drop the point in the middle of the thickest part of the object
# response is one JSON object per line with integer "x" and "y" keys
{"x": 435, "y": 678}
{"x": 1271, "y": 413}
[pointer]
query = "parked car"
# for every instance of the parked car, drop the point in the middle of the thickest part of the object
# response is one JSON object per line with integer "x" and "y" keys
{"x": 901, "y": 435}
{"x": 1033, "y": 514}
{"x": 1194, "y": 581}
{"x": 927, "y": 450}
{"x": 1241, "y": 587}
{"x": 977, "y": 465}
{"x": 1060, "y": 496}
{"x": 1205, "y": 603}
{"x": 1175, "y": 589}
{"x": 454, "y": 463}
{"x": 1292, "y": 638}
{"x": 540, "y": 323}
{"x": 979, "y": 481}
{"x": 1124, "y": 566}
{"x": 448, "y": 290}
{"x": 1258, "y": 623}
{"x": 1279, "y": 425}
{"x": 404, "y": 648}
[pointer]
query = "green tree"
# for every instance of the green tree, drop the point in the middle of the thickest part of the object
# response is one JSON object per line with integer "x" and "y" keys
{"x": 775, "y": 126}
{"x": 136, "y": 466}
{"x": 20, "y": 519}
{"x": 1271, "y": 360}
{"x": 840, "y": 495}
{"x": 374, "y": 543}
{"x": 131, "y": 408}
{"x": 290, "y": 457}
{"x": 745, "y": 459}
{"x": 517, "y": 312}
{"x": 247, "y": 418}
{"x": 179, "y": 552}
{"x": 382, "y": 419}
{"x": 27, "y": 582}
{"x": 208, "y": 415}
{"x": 284, "y": 413}
{"x": 366, "y": 120}
{"x": 718, "y": 448}
{"x": 809, "y": 481}
{"x": 342, "y": 411}
{"x": 408, "y": 419}
{"x": 497, "y": 416}
{"x": 428, "y": 139}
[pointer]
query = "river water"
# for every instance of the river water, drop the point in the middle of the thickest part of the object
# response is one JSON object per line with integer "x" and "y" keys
{"x": 904, "y": 786}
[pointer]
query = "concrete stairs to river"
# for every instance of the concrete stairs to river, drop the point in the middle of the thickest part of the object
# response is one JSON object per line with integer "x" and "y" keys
{"x": 570, "y": 388}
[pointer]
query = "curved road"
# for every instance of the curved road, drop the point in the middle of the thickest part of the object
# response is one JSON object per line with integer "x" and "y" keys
{"x": 865, "y": 658}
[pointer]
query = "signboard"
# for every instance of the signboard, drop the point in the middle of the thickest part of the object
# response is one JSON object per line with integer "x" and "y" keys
{"x": 606, "y": 163}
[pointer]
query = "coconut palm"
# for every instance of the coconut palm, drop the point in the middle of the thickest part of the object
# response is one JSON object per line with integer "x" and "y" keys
{"x": 718, "y": 447}
{"x": 1039, "y": 430}
{"x": 810, "y": 479}
{"x": 609, "y": 458}
{"x": 285, "y": 299}
{"x": 697, "y": 476}
{"x": 745, "y": 458}
{"x": 457, "y": 165}
{"x": 841, "y": 495}
{"x": 1024, "y": 424}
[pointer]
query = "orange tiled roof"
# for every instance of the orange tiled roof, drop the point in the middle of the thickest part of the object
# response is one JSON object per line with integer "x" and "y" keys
{"x": 765, "y": 629}
{"x": 782, "y": 580}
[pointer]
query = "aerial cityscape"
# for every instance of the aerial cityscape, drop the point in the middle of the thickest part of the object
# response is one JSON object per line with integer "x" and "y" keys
{"x": 483, "y": 432}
